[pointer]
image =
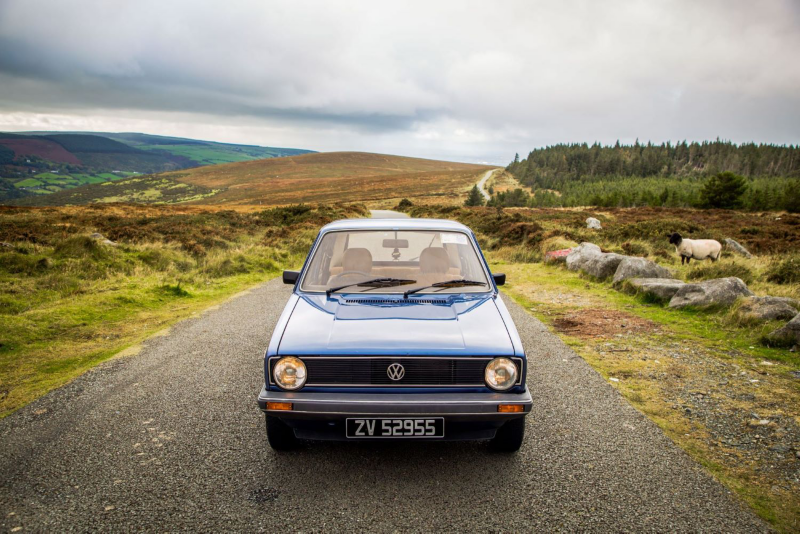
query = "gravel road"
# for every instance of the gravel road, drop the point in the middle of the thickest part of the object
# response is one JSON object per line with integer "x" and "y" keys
{"x": 388, "y": 214}
{"x": 171, "y": 439}
{"x": 482, "y": 185}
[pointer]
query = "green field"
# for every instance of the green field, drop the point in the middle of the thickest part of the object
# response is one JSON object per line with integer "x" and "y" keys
{"x": 116, "y": 175}
{"x": 66, "y": 160}
{"x": 213, "y": 154}
{"x": 28, "y": 182}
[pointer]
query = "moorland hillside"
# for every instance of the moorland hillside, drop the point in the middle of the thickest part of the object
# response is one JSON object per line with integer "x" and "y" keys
{"x": 310, "y": 178}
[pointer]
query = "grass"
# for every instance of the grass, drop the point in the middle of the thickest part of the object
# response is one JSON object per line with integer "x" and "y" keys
{"x": 217, "y": 153}
{"x": 709, "y": 329}
{"x": 150, "y": 189}
{"x": 721, "y": 269}
{"x": 208, "y": 155}
{"x": 114, "y": 175}
{"x": 104, "y": 153}
{"x": 68, "y": 302}
{"x": 699, "y": 375}
{"x": 657, "y": 382}
{"x": 310, "y": 178}
{"x": 28, "y": 182}
{"x": 50, "y": 182}
{"x": 784, "y": 270}
{"x": 329, "y": 177}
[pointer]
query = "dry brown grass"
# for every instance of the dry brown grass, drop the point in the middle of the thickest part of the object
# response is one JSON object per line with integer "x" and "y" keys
{"x": 331, "y": 177}
{"x": 68, "y": 302}
{"x": 504, "y": 181}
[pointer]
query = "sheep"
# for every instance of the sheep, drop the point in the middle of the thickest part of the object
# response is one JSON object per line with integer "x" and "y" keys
{"x": 698, "y": 249}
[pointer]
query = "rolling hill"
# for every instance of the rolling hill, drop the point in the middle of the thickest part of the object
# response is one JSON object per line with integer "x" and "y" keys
{"x": 312, "y": 178}
{"x": 42, "y": 163}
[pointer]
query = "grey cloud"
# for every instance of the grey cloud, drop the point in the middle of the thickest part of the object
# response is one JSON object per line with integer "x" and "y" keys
{"x": 455, "y": 77}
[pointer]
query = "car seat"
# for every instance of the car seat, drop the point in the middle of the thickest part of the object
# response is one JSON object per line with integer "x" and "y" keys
{"x": 434, "y": 264}
{"x": 356, "y": 267}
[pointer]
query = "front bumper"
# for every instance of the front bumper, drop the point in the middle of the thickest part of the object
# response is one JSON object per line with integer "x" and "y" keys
{"x": 323, "y": 415}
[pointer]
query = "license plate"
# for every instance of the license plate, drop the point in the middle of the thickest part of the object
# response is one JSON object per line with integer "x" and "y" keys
{"x": 385, "y": 427}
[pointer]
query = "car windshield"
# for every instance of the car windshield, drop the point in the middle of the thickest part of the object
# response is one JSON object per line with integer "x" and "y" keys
{"x": 389, "y": 261}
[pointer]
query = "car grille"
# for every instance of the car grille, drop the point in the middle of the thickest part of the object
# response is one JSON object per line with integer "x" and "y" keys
{"x": 371, "y": 371}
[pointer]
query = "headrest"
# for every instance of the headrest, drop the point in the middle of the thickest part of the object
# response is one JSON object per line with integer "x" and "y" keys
{"x": 357, "y": 259}
{"x": 434, "y": 260}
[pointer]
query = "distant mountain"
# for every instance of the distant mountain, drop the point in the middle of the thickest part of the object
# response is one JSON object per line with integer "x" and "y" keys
{"x": 313, "y": 178}
{"x": 42, "y": 163}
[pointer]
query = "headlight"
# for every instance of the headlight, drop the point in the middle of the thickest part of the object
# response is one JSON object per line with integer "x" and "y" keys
{"x": 289, "y": 373}
{"x": 501, "y": 374}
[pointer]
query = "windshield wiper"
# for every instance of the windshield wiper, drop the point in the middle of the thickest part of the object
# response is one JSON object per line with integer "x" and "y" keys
{"x": 459, "y": 282}
{"x": 375, "y": 283}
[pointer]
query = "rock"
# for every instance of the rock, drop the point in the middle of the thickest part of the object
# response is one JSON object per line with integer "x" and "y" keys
{"x": 603, "y": 265}
{"x": 737, "y": 248}
{"x": 661, "y": 288}
{"x": 760, "y": 423}
{"x": 593, "y": 223}
{"x": 103, "y": 240}
{"x": 763, "y": 309}
{"x": 788, "y": 332}
{"x": 581, "y": 254}
{"x": 717, "y": 292}
{"x": 639, "y": 268}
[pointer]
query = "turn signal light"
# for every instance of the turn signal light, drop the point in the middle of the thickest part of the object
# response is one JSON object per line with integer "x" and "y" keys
{"x": 510, "y": 408}
{"x": 279, "y": 406}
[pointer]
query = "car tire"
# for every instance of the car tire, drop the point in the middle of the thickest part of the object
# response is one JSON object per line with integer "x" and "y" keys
{"x": 509, "y": 437}
{"x": 280, "y": 435}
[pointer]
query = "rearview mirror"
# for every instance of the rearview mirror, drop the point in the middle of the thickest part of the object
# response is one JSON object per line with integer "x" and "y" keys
{"x": 395, "y": 243}
{"x": 499, "y": 278}
{"x": 290, "y": 277}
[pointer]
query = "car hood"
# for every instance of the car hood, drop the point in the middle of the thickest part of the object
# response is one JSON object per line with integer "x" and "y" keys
{"x": 456, "y": 325}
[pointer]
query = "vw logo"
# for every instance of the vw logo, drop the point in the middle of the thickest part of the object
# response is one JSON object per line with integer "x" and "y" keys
{"x": 396, "y": 371}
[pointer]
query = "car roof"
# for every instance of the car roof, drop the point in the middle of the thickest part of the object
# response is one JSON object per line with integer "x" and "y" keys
{"x": 395, "y": 224}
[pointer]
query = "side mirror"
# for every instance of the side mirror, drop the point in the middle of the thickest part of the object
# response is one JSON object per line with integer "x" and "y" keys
{"x": 499, "y": 278}
{"x": 290, "y": 277}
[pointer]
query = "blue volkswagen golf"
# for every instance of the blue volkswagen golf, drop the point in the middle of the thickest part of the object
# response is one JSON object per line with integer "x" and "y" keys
{"x": 395, "y": 330}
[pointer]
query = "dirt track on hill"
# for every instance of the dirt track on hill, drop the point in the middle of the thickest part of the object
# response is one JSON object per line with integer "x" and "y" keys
{"x": 482, "y": 184}
{"x": 171, "y": 439}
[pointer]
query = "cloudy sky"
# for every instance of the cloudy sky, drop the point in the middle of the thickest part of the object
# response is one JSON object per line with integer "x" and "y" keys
{"x": 462, "y": 80}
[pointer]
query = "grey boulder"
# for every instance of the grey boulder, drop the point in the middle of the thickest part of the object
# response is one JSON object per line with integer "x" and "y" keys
{"x": 639, "y": 268}
{"x": 788, "y": 332}
{"x": 593, "y": 224}
{"x": 581, "y": 254}
{"x": 603, "y": 265}
{"x": 661, "y": 288}
{"x": 767, "y": 309}
{"x": 717, "y": 292}
{"x": 737, "y": 248}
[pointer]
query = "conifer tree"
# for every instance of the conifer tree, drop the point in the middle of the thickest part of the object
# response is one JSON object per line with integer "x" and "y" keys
{"x": 725, "y": 190}
{"x": 475, "y": 198}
